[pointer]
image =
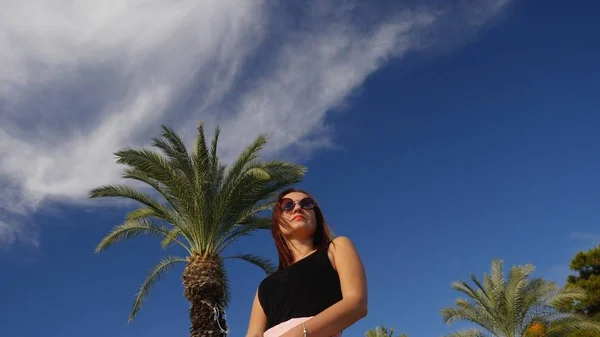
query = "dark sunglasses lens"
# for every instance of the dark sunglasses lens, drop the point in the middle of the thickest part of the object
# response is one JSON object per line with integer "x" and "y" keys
{"x": 307, "y": 203}
{"x": 286, "y": 204}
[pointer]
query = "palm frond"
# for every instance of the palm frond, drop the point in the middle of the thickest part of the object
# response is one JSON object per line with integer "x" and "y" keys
{"x": 568, "y": 294}
{"x": 472, "y": 332}
{"x": 478, "y": 298}
{"x": 217, "y": 171}
{"x": 142, "y": 213}
{"x": 174, "y": 185}
{"x": 248, "y": 155}
{"x": 157, "y": 272}
{"x": 220, "y": 177}
{"x": 497, "y": 289}
{"x": 203, "y": 199}
{"x": 160, "y": 187}
{"x": 246, "y": 214}
{"x": 258, "y": 173}
{"x": 171, "y": 237}
{"x": 236, "y": 173}
{"x": 265, "y": 264}
{"x": 517, "y": 291}
{"x": 130, "y": 229}
{"x": 573, "y": 323}
{"x": 466, "y": 311}
{"x": 214, "y": 158}
{"x": 152, "y": 163}
{"x": 175, "y": 149}
{"x": 201, "y": 156}
{"x": 380, "y": 331}
{"x": 533, "y": 298}
{"x": 484, "y": 297}
{"x": 124, "y": 191}
{"x": 240, "y": 231}
{"x": 260, "y": 222}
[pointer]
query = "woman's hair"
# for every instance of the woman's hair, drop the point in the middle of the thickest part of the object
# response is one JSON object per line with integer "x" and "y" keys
{"x": 321, "y": 237}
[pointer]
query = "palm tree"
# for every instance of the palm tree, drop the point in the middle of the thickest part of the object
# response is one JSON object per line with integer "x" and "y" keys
{"x": 202, "y": 206}
{"x": 381, "y": 331}
{"x": 516, "y": 306}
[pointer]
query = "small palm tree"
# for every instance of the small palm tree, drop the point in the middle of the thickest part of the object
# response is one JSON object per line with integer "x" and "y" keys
{"x": 381, "y": 331}
{"x": 202, "y": 206}
{"x": 516, "y": 306}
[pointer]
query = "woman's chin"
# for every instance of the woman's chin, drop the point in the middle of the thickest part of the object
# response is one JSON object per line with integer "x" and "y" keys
{"x": 298, "y": 229}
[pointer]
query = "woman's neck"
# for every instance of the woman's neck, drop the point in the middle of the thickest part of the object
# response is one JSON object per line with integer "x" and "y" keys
{"x": 301, "y": 247}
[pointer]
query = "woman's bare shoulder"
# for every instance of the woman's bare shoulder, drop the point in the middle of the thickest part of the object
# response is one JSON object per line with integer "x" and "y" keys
{"x": 340, "y": 247}
{"x": 341, "y": 243}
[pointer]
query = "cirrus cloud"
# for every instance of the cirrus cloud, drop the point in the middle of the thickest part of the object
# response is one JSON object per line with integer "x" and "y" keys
{"x": 82, "y": 79}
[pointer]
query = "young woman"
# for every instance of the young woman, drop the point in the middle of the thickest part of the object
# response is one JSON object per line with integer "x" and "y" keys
{"x": 320, "y": 287}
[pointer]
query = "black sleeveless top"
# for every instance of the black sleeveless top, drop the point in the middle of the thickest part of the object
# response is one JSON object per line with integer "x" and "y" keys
{"x": 305, "y": 288}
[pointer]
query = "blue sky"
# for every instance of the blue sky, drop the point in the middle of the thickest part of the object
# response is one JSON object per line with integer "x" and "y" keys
{"x": 436, "y": 139}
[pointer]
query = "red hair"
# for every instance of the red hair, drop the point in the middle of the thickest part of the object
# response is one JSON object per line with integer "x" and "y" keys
{"x": 321, "y": 237}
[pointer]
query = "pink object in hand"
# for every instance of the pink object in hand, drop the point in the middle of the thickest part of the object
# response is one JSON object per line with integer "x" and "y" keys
{"x": 286, "y": 326}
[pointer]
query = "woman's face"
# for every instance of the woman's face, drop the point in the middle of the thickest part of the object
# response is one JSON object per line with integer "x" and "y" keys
{"x": 298, "y": 221}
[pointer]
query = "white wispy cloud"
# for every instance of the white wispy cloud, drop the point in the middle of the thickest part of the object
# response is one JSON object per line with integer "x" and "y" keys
{"x": 591, "y": 239}
{"x": 82, "y": 79}
{"x": 7, "y": 235}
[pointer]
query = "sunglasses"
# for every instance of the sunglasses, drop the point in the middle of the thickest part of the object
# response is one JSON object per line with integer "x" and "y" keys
{"x": 288, "y": 204}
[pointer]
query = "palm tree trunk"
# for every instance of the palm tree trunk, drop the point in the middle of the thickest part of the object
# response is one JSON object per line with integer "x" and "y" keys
{"x": 204, "y": 287}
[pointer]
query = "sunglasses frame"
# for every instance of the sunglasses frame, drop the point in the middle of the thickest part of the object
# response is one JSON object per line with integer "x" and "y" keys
{"x": 297, "y": 202}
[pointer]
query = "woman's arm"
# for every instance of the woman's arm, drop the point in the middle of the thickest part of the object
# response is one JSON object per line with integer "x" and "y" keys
{"x": 353, "y": 305}
{"x": 258, "y": 320}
